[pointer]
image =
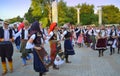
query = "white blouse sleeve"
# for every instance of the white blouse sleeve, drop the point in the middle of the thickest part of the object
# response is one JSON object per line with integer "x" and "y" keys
{"x": 48, "y": 37}
{"x": 64, "y": 33}
{"x": 30, "y": 45}
{"x": 17, "y": 34}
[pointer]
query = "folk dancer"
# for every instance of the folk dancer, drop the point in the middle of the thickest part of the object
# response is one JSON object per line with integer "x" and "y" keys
{"x": 53, "y": 40}
{"x": 87, "y": 39}
{"x": 112, "y": 40}
{"x": 35, "y": 42}
{"x": 118, "y": 40}
{"x": 6, "y": 47}
{"x": 17, "y": 39}
{"x": 92, "y": 34}
{"x": 101, "y": 44}
{"x": 80, "y": 40}
{"x": 68, "y": 47}
{"x": 24, "y": 38}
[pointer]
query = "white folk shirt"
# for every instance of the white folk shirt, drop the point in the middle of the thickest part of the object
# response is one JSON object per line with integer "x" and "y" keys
{"x": 31, "y": 45}
{"x": 26, "y": 34}
{"x": 6, "y": 35}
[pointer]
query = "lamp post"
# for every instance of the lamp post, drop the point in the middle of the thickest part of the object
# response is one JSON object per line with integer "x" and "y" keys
{"x": 78, "y": 15}
{"x": 100, "y": 15}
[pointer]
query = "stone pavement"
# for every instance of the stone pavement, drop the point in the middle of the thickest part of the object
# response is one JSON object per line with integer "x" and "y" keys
{"x": 84, "y": 63}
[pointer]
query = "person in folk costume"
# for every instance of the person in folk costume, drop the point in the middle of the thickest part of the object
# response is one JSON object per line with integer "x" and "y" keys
{"x": 59, "y": 33}
{"x": 80, "y": 40}
{"x": 17, "y": 39}
{"x": 53, "y": 40}
{"x": 6, "y": 47}
{"x": 118, "y": 43}
{"x": 44, "y": 31}
{"x": 77, "y": 31}
{"x": 92, "y": 34}
{"x": 73, "y": 37}
{"x": 35, "y": 43}
{"x": 68, "y": 47}
{"x": 113, "y": 36}
{"x": 87, "y": 39}
{"x": 101, "y": 44}
{"x": 24, "y": 32}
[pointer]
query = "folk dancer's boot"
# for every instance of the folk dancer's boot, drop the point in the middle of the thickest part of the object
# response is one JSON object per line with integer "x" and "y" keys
{"x": 4, "y": 68}
{"x": 10, "y": 63}
{"x": 67, "y": 61}
{"x": 102, "y": 52}
{"x": 118, "y": 50}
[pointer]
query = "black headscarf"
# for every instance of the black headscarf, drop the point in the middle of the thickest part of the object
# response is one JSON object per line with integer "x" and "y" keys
{"x": 35, "y": 28}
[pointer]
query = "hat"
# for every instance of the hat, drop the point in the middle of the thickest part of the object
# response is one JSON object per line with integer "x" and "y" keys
{"x": 6, "y": 22}
{"x": 52, "y": 26}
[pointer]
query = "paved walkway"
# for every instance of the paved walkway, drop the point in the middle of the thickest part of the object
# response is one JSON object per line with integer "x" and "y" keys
{"x": 84, "y": 63}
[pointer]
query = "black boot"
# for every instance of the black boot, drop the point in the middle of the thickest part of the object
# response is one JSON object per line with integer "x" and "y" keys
{"x": 118, "y": 51}
{"x": 67, "y": 61}
{"x": 100, "y": 53}
{"x": 40, "y": 74}
{"x": 111, "y": 50}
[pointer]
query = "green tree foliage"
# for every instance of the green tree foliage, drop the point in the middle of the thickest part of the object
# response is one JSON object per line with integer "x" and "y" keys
{"x": 62, "y": 12}
{"x": 87, "y": 15}
{"x": 37, "y": 7}
{"x": 72, "y": 15}
{"x": 40, "y": 10}
{"x": 110, "y": 14}
{"x": 29, "y": 16}
{"x": 44, "y": 22}
{"x": 16, "y": 19}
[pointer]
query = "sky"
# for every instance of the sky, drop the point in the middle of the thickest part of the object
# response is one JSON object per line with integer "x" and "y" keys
{"x": 14, "y": 8}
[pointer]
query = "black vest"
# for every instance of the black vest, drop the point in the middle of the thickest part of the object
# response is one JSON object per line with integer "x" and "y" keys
{"x": 2, "y": 33}
{"x": 68, "y": 35}
{"x": 54, "y": 37}
{"x": 37, "y": 40}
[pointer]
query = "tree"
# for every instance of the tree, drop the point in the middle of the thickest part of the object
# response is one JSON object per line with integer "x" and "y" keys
{"x": 16, "y": 19}
{"x": 29, "y": 16}
{"x": 62, "y": 12}
{"x": 72, "y": 15}
{"x": 41, "y": 10}
{"x": 110, "y": 14}
{"x": 87, "y": 15}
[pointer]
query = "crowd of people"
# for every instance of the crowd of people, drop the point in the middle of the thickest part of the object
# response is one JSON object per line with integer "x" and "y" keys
{"x": 30, "y": 38}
